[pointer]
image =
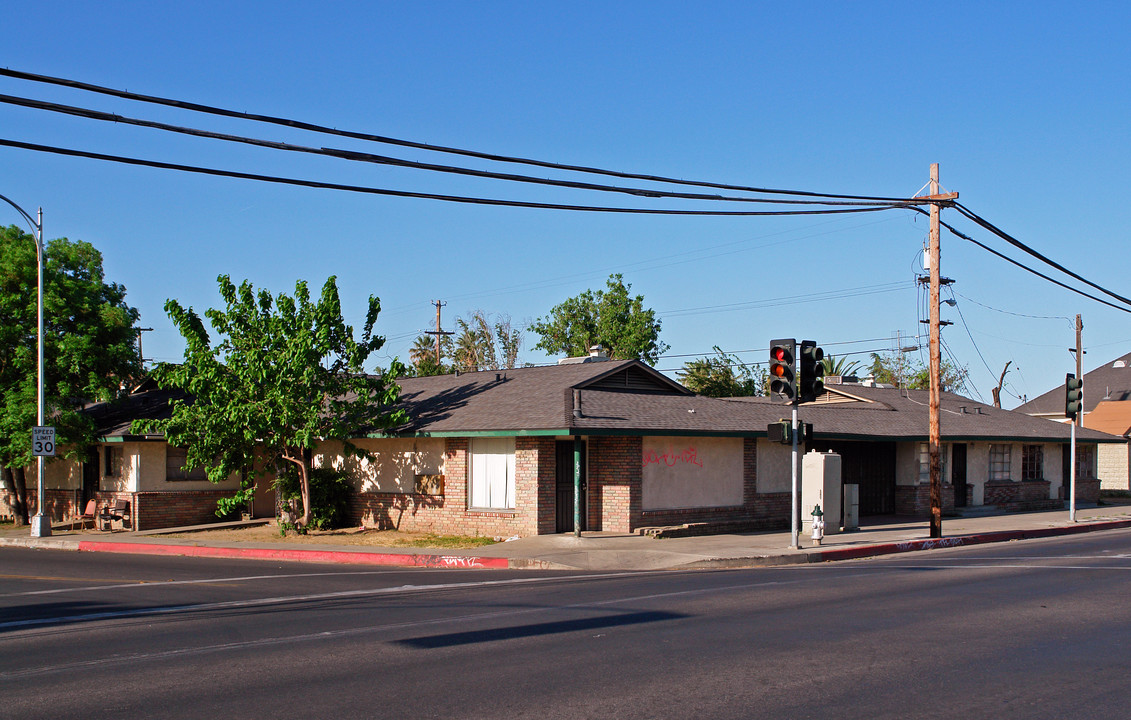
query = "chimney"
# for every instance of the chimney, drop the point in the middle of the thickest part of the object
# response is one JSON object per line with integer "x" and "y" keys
{"x": 596, "y": 351}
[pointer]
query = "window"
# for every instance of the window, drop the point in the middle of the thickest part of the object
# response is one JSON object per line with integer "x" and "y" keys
{"x": 999, "y": 462}
{"x": 175, "y": 459}
{"x": 491, "y": 466}
{"x": 1032, "y": 462}
{"x": 1085, "y": 461}
{"x": 925, "y": 461}
{"x": 111, "y": 461}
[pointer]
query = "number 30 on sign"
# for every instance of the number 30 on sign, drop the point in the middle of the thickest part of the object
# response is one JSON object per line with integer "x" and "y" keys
{"x": 43, "y": 441}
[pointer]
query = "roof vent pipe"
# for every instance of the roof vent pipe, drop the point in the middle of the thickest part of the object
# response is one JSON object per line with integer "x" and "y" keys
{"x": 577, "y": 403}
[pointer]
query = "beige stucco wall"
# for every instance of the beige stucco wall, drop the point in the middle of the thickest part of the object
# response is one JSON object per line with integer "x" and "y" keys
{"x": 907, "y": 463}
{"x": 688, "y": 472}
{"x": 58, "y": 474}
{"x": 394, "y": 465}
{"x": 773, "y": 466}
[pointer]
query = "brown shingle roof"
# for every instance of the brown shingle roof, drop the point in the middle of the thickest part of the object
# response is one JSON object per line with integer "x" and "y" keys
{"x": 1107, "y": 382}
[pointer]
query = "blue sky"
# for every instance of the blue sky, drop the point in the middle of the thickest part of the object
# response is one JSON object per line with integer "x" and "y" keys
{"x": 1024, "y": 107}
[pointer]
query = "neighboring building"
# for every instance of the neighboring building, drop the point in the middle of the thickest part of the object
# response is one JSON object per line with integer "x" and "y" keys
{"x": 1107, "y": 390}
{"x": 493, "y": 453}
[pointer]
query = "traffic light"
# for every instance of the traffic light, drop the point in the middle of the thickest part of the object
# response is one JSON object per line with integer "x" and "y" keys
{"x": 812, "y": 371}
{"x": 1073, "y": 395}
{"x": 783, "y": 381}
{"x": 780, "y": 432}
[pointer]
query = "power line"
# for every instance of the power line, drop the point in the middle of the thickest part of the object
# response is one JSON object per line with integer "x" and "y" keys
{"x": 400, "y": 162}
{"x": 419, "y": 195}
{"x": 788, "y": 300}
{"x": 312, "y": 127}
{"x": 1025, "y": 248}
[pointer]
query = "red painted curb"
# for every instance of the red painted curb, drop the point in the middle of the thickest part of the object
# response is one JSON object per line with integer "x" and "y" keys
{"x": 324, "y": 556}
{"x": 961, "y": 540}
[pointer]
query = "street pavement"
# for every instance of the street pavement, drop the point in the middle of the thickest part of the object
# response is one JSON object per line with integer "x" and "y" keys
{"x": 613, "y": 551}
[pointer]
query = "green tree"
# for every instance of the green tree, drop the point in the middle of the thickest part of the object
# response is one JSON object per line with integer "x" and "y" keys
{"x": 723, "y": 375}
{"x": 90, "y": 348}
{"x": 481, "y": 345}
{"x": 900, "y": 370}
{"x": 610, "y": 318}
{"x": 285, "y": 374}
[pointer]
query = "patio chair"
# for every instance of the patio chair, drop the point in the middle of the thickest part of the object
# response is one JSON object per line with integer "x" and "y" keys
{"x": 90, "y": 513}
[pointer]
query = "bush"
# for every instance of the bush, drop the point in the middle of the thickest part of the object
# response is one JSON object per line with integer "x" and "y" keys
{"x": 329, "y": 496}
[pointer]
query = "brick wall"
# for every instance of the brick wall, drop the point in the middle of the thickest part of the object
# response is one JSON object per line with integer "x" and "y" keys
{"x": 448, "y": 514}
{"x": 162, "y": 509}
{"x": 615, "y": 474}
{"x": 915, "y": 500}
{"x": 60, "y": 504}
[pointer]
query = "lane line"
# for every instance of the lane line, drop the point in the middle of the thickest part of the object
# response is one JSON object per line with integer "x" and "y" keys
{"x": 386, "y": 627}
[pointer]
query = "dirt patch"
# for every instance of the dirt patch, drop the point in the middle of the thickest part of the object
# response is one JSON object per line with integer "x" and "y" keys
{"x": 351, "y": 536}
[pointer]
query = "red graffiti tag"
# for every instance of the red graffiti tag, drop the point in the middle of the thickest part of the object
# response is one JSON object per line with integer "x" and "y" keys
{"x": 689, "y": 456}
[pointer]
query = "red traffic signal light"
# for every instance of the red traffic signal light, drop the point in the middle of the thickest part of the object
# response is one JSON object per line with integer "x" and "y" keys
{"x": 783, "y": 379}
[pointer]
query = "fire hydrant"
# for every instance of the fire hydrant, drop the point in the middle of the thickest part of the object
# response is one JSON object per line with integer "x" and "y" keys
{"x": 818, "y": 525}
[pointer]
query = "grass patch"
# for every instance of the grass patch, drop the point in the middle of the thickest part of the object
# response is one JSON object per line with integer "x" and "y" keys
{"x": 450, "y": 541}
{"x": 347, "y": 536}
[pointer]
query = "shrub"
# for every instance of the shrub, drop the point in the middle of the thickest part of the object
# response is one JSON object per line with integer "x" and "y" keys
{"x": 329, "y": 496}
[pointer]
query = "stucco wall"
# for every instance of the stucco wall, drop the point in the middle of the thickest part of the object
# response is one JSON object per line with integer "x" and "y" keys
{"x": 689, "y": 472}
{"x": 773, "y": 466}
{"x": 395, "y": 464}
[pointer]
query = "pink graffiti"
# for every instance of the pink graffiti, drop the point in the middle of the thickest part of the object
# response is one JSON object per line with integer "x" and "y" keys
{"x": 689, "y": 456}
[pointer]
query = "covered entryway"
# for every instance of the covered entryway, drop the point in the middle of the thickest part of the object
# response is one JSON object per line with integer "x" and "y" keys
{"x": 958, "y": 473}
{"x": 871, "y": 465}
{"x": 564, "y": 490}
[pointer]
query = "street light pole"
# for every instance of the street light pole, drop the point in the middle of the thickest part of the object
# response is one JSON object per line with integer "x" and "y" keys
{"x": 40, "y": 526}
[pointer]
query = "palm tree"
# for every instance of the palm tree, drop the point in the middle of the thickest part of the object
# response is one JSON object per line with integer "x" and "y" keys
{"x": 841, "y": 366}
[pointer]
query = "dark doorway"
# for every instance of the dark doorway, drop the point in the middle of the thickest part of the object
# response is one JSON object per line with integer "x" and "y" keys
{"x": 871, "y": 465}
{"x": 958, "y": 473}
{"x": 564, "y": 494}
{"x": 89, "y": 478}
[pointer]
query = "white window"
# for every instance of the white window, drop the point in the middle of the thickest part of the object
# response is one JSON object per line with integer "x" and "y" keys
{"x": 491, "y": 464}
{"x": 925, "y": 461}
{"x": 999, "y": 462}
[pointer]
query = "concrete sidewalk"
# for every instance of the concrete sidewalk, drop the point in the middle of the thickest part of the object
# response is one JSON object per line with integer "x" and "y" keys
{"x": 613, "y": 551}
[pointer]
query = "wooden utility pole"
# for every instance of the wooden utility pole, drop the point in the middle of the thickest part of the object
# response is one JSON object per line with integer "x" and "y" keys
{"x": 933, "y": 433}
{"x": 438, "y": 332}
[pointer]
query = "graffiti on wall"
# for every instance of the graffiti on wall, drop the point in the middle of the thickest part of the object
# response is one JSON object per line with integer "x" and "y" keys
{"x": 688, "y": 456}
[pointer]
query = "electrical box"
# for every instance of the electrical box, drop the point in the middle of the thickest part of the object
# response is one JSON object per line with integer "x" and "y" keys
{"x": 851, "y": 507}
{"x": 820, "y": 485}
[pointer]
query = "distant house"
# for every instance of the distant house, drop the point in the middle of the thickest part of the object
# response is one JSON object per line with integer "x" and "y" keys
{"x": 493, "y": 453}
{"x": 1107, "y": 390}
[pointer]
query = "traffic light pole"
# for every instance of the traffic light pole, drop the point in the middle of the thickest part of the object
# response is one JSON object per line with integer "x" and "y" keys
{"x": 1072, "y": 476}
{"x": 794, "y": 512}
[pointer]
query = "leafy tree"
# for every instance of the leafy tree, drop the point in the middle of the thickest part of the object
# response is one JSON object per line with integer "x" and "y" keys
{"x": 901, "y": 371}
{"x": 90, "y": 348}
{"x": 722, "y": 376}
{"x": 285, "y": 374}
{"x": 609, "y": 318}
{"x": 479, "y": 345}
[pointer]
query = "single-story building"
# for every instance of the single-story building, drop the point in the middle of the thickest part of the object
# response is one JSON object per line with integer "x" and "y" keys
{"x": 1105, "y": 407}
{"x": 493, "y": 453}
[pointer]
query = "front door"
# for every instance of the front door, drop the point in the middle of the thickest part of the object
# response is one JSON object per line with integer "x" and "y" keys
{"x": 564, "y": 494}
{"x": 958, "y": 473}
{"x": 89, "y": 478}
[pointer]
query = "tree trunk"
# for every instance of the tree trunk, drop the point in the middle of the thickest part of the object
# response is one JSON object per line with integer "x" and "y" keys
{"x": 304, "y": 487}
{"x": 14, "y": 481}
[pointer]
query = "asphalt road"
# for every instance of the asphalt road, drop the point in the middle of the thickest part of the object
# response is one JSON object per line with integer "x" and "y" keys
{"x": 1040, "y": 629}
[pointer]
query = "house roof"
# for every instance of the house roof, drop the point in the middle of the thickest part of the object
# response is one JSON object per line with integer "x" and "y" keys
{"x": 1109, "y": 382}
{"x": 1110, "y": 417}
{"x": 627, "y": 397}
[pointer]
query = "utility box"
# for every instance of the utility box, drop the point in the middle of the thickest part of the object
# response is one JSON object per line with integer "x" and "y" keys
{"x": 851, "y": 507}
{"x": 820, "y": 485}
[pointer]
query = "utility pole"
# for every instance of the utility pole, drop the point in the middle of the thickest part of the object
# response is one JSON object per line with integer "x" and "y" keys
{"x": 438, "y": 332}
{"x": 933, "y": 433}
{"x": 140, "y": 354}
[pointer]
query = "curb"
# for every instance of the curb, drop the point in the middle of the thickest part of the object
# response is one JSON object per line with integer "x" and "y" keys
{"x": 961, "y": 540}
{"x": 321, "y": 556}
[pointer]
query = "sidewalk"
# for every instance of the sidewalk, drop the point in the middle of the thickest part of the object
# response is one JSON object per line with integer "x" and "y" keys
{"x": 613, "y": 551}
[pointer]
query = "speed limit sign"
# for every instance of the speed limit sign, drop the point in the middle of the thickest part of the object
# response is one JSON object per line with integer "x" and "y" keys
{"x": 43, "y": 441}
